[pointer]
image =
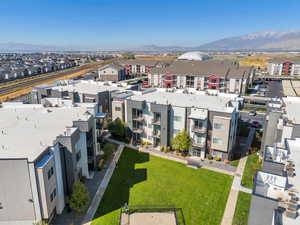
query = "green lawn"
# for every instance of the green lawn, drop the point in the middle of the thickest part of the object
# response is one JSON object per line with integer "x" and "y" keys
{"x": 252, "y": 165}
{"x": 242, "y": 209}
{"x": 143, "y": 179}
{"x": 235, "y": 163}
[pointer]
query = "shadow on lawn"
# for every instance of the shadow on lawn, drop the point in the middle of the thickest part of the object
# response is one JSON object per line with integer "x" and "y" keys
{"x": 125, "y": 176}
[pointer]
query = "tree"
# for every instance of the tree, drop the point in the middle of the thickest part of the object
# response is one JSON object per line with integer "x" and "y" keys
{"x": 182, "y": 141}
{"x": 80, "y": 198}
{"x": 117, "y": 128}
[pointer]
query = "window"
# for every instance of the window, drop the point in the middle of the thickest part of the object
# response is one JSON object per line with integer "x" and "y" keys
{"x": 78, "y": 156}
{"x": 53, "y": 195}
{"x": 218, "y": 126}
{"x": 198, "y": 123}
{"x": 117, "y": 108}
{"x": 199, "y": 138}
{"x": 217, "y": 141}
{"x": 50, "y": 172}
{"x": 177, "y": 118}
{"x": 190, "y": 81}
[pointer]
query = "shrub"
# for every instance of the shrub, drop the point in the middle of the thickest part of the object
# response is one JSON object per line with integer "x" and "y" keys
{"x": 101, "y": 164}
{"x": 108, "y": 149}
{"x": 182, "y": 141}
{"x": 80, "y": 198}
{"x": 210, "y": 157}
{"x": 218, "y": 158}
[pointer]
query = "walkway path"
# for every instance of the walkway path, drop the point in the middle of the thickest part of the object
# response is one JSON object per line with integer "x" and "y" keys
{"x": 101, "y": 189}
{"x": 174, "y": 157}
{"x": 236, "y": 184}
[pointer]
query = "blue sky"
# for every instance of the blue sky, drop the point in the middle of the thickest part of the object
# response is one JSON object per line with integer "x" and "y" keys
{"x": 127, "y": 23}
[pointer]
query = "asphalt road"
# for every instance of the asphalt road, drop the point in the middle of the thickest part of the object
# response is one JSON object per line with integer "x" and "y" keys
{"x": 274, "y": 89}
{"x": 244, "y": 116}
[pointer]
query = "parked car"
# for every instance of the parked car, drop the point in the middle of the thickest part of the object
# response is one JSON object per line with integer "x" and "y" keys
{"x": 255, "y": 124}
{"x": 252, "y": 113}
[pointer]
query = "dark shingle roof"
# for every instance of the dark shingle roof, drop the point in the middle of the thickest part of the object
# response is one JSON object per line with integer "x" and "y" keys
{"x": 204, "y": 68}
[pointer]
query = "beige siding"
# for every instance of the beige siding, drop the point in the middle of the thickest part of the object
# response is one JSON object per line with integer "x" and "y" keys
{"x": 220, "y": 134}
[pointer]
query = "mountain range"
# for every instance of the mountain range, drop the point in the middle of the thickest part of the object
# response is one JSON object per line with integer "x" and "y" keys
{"x": 267, "y": 41}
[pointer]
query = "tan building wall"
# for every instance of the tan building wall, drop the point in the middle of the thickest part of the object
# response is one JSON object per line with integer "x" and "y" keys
{"x": 220, "y": 133}
{"x": 118, "y": 110}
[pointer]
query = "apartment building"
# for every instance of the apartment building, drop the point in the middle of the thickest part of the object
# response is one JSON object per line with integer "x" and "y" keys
{"x": 284, "y": 67}
{"x": 137, "y": 67}
{"x": 43, "y": 150}
{"x": 275, "y": 198}
{"x": 157, "y": 116}
{"x": 227, "y": 77}
{"x": 82, "y": 91}
{"x": 111, "y": 72}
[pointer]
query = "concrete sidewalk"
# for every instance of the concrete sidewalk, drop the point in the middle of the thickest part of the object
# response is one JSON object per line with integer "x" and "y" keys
{"x": 236, "y": 184}
{"x": 101, "y": 189}
{"x": 169, "y": 156}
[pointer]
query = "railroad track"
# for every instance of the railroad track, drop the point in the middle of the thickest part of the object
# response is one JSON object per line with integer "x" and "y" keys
{"x": 14, "y": 90}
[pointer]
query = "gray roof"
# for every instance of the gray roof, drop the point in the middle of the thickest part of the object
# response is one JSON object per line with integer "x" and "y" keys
{"x": 261, "y": 210}
{"x": 270, "y": 129}
{"x": 273, "y": 167}
{"x": 204, "y": 68}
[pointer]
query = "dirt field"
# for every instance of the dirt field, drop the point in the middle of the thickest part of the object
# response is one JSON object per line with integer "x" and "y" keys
{"x": 148, "y": 218}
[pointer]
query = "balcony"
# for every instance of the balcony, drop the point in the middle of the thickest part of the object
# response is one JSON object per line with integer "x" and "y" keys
{"x": 138, "y": 118}
{"x": 156, "y": 134}
{"x": 138, "y": 130}
{"x": 198, "y": 144}
{"x": 197, "y": 129}
{"x": 155, "y": 121}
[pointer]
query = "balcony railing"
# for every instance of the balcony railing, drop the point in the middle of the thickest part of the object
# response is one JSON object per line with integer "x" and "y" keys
{"x": 156, "y": 121}
{"x": 156, "y": 134}
{"x": 138, "y": 130}
{"x": 197, "y": 129}
{"x": 198, "y": 144}
{"x": 138, "y": 117}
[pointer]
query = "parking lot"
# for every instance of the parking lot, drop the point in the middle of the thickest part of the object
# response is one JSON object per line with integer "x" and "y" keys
{"x": 274, "y": 89}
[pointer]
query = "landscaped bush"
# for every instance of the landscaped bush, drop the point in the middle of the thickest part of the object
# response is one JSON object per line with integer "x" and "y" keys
{"x": 100, "y": 164}
{"x": 218, "y": 159}
{"x": 210, "y": 157}
{"x": 108, "y": 150}
{"x": 146, "y": 143}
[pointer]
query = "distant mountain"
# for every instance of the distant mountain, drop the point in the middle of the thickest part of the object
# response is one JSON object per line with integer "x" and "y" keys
{"x": 21, "y": 47}
{"x": 270, "y": 40}
{"x": 156, "y": 48}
